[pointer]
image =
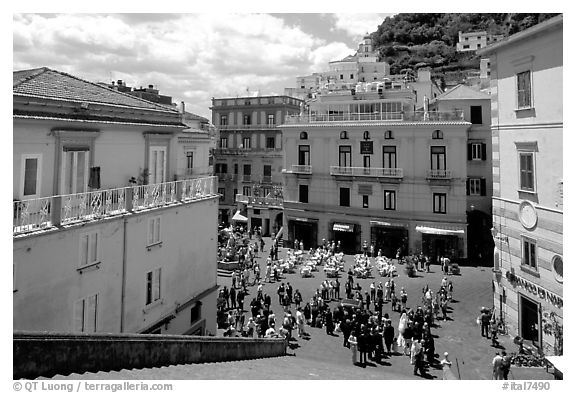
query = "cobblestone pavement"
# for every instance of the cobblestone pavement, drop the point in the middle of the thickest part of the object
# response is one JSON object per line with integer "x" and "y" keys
{"x": 324, "y": 357}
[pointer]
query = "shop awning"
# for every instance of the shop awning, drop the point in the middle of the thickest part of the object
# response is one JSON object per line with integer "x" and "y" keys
{"x": 387, "y": 224}
{"x": 343, "y": 227}
{"x": 439, "y": 230}
{"x": 239, "y": 217}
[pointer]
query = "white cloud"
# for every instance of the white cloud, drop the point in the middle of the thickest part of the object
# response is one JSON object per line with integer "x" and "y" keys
{"x": 186, "y": 56}
{"x": 357, "y": 25}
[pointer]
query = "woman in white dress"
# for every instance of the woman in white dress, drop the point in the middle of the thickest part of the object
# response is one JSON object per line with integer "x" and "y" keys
{"x": 401, "y": 342}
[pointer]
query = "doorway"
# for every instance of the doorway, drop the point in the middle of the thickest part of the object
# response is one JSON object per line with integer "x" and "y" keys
{"x": 529, "y": 320}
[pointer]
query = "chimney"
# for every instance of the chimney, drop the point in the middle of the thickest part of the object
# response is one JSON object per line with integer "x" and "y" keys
{"x": 119, "y": 82}
{"x": 183, "y": 107}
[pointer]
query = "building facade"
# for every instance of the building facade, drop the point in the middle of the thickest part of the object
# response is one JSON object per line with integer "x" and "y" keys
{"x": 475, "y": 40}
{"x": 106, "y": 239}
{"x": 527, "y": 135}
{"x": 248, "y": 158}
{"x": 368, "y": 167}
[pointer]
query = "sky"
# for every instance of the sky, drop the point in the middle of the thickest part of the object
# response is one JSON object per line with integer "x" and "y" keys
{"x": 191, "y": 57}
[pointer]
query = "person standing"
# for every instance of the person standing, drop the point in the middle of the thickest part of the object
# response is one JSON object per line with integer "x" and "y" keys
{"x": 345, "y": 327}
{"x": 497, "y": 367}
{"x": 226, "y": 296}
{"x": 233, "y": 297}
{"x": 363, "y": 345}
{"x": 337, "y": 289}
{"x": 297, "y": 298}
{"x": 240, "y": 300}
{"x": 506, "y": 363}
{"x": 300, "y": 321}
{"x": 353, "y": 344}
{"x": 446, "y": 366}
{"x": 388, "y": 336}
{"x": 416, "y": 357}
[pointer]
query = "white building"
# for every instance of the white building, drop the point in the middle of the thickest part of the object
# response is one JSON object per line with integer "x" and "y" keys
{"x": 104, "y": 239}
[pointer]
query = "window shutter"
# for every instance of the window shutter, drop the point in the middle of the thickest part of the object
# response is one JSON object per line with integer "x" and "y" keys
{"x": 84, "y": 247}
{"x": 79, "y": 315}
{"x": 469, "y": 151}
{"x": 483, "y": 187}
{"x": 93, "y": 248}
{"x": 90, "y": 313}
{"x": 156, "y": 285}
{"x": 94, "y": 180}
{"x": 467, "y": 186}
{"x": 157, "y": 230}
{"x": 483, "y": 151}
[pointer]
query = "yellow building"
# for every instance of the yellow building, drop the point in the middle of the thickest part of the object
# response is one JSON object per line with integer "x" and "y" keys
{"x": 527, "y": 129}
{"x": 105, "y": 238}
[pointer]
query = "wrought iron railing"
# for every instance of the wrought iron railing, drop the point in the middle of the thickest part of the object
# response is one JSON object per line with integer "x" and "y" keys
{"x": 260, "y": 201}
{"x": 438, "y": 174}
{"x": 377, "y": 116}
{"x": 301, "y": 169}
{"x": 40, "y": 213}
{"x": 368, "y": 172}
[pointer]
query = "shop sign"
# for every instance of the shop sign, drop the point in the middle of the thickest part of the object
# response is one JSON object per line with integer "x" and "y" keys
{"x": 343, "y": 227}
{"x": 366, "y": 147}
{"x": 536, "y": 290}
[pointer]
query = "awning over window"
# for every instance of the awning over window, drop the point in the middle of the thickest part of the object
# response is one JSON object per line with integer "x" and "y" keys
{"x": 388, "y": 224}
{"x": 343, "y": 227}
{"x": 239, "y": 217}
{"x": 439, "y": 230}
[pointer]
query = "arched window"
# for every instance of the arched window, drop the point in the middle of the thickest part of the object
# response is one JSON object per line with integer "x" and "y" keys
{"x": 437, "y": 135}
{"x": 303, "y": 135}
{"x": 388, "y": 135}
{"x": 366, "y": 135}
{"x": 344, "y": 135}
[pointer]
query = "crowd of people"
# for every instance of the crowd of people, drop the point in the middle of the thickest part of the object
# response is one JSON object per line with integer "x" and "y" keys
{"x": 359, "y": 314}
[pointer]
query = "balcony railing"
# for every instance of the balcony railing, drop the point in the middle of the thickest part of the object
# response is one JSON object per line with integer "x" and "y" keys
{"x": 266, "y": 179}
{"x": 441, "y": 174}
{"x": 260, "y": 201}
{"x": 377, "y": 116}
{"x": 246, "y": 126}
{"x": 245, "y": 150}
{"x": 367, "y": 172}
{"x": 306, "y": 169}
{"x": 246, "y": 177}
{"x": 41, "y": 213}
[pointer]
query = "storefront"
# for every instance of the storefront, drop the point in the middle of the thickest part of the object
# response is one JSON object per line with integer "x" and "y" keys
{"x": 303, "y": 229}
{"x": 440, "y": 241}
{"x": 389, "y": 237}
{"x": 534, "y": 304}
{"x": 348, "y": 235}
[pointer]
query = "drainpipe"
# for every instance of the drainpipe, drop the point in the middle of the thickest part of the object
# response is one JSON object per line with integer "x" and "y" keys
{"x": 123, "y": 289}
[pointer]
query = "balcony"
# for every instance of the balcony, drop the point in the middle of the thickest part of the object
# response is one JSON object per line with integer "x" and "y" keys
{"x": 396, "y": 173}
{"x": 300, "y": 169}
{"x": 188, "y": 173}
{"x": 245, "y": 150}
{"x": 246, "y": 178}
{"x": 51, "y": 212}
{"x": 376, "y": 116}
{"x": 260, "y": 201}
{"x": 232, "y": 127}
{"x": 267, "y": 179}
{"x": 438, "y": 174}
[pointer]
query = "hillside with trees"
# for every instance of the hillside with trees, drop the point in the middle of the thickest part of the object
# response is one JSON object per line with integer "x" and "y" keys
{"x": 409, "y": 41}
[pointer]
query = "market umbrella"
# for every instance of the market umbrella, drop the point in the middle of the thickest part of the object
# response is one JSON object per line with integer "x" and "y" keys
{"x": 239, "y": 217}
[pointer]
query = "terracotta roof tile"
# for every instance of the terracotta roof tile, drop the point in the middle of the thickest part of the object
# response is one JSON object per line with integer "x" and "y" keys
{"x": 48, "y": 83}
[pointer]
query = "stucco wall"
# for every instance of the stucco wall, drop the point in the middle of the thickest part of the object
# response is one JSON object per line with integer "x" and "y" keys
{"x": 48, "y": 354}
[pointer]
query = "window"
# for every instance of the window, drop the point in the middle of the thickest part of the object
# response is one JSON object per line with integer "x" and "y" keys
{"x": 31, "y": 171}
{"x": 246, "y": 142}
{"x": 343, "y": 134}
{"x": 466, "y": 46}
{"x": 89, "y": 248}
{"x": 236, "y": 169}
{"x": 247, "y": 191}
{"x": 389, "y": 156}
{"x": 524, "y": 90}
{"x": 476, "y": 186}
{"x": 529, "y": 256}
{"x": 366, "y": 161}
{"x": 270, "y": 120}
{"x": 196, "y": 312}
{"x": 224, "y": 143}
{"x": 345, "y": 156}
{"x": 304, "y": 155}
{"x": 222, "y": 192}
{"x": 341, "y": 76}
{"x": 223, "y": 120}
{"x": 527, "y": 171}
{"x": 75, "y": 162}
{"x": 267, "y": 173}
{"x": 438, "y": 157}
{"x": 303, "y": 135}
{"x": 477, "y": 151}
{"x": 154, "y": 228}
{"x": 221, "y": 168}
{"x": 365, "y": 201}
{"x": 270, "y": 143}
{"x": 476, "y": 114}
{"x": 303, "y": 193}
{"x": 437, "y": 135}
{"x": 235, "y": 191}
{"x": 153, "y": 286}
{"x": 389, "y": 200}
{"x": 344, "y": 196}
{"x": 247, "y": 172}
{"x": 86, "y": 314}
{"x": 246, "y": 120}
{"x": 388, "y": 135}
{"x": 189, "y": 160}
{"x": 439, "y": 203}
